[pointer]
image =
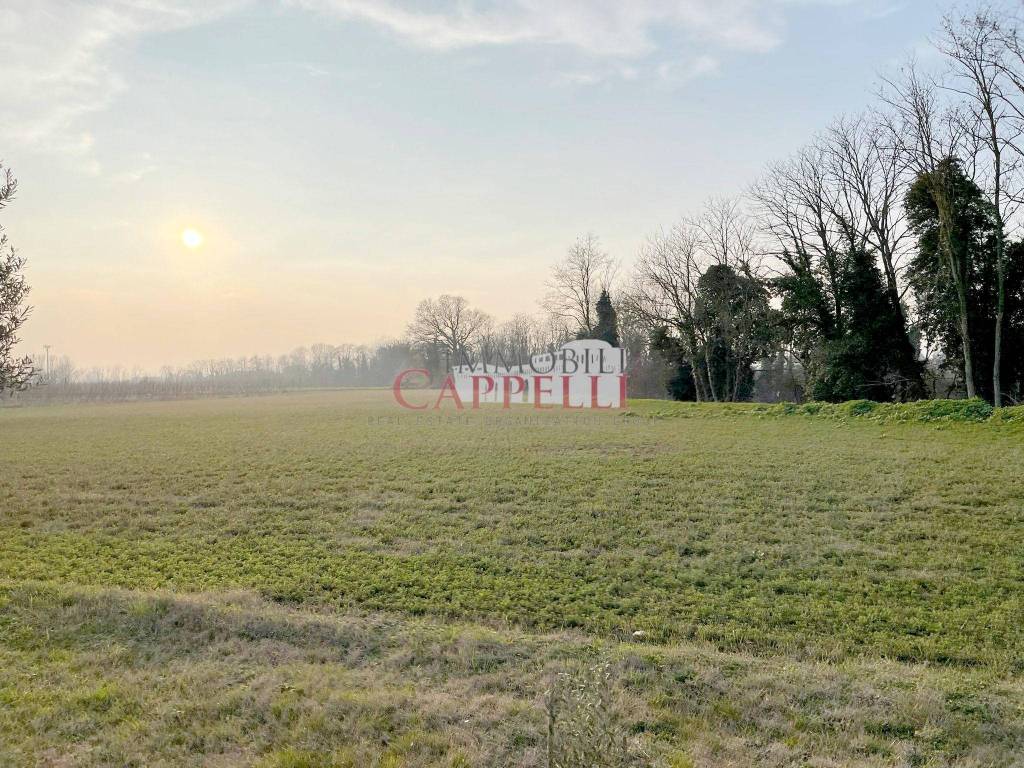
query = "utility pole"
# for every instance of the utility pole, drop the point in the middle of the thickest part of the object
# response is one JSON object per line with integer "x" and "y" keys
{"x": 47, "y": 348}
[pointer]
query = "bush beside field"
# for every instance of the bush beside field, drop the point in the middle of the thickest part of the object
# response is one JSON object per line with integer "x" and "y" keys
{"x": 970, "y": 411}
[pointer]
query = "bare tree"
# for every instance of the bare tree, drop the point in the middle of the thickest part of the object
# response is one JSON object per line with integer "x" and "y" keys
{"x": 62, "y": 371}
{"x": 15, "y": 373}
{"x": 869, "y": 171}
{"x": 726, "y": 235}
{"x": 515, "y": 339}
{"x": 663, "y": 293}
{"x": 801, "y": 212}
{"x": 448, "y": 322}
{"x": 551, "y": 332}
{"x": 577, "y": 281}
{"x": 932, "y": 133}
{"x": 980, "y": 49}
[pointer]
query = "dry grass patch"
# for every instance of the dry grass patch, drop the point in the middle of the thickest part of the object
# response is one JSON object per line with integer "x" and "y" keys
{"x": 97, "y": 677}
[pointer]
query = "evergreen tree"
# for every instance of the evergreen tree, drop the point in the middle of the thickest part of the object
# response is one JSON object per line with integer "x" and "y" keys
{"x": 738, "y": 327}
{"x": 607, "y": 328}
{"x": 973, "y": 239}
{"x": 679, "y": 380}
{"x": 872, "y": 357}
{"x": 849, "y": 331}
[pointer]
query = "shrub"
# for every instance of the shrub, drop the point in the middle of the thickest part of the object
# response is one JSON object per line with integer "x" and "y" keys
{"x": 1011, "y": 415}
{"x": 585, "y": 724}
{"x": 858, "y": 407}
{"x": 974, "y": 410}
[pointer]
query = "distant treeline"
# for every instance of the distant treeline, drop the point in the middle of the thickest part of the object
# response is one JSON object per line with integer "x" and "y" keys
{"x": 316, "y": 366}
{"x": 320, "y": 366}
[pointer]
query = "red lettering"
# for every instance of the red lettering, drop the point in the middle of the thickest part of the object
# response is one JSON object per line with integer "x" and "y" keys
{"x": 566, "y": 401}
{"x": 448, "y": 390}
{"x": 476, "y": 389}
{"x": 397, "y": 387}
{"x": 507, "y": 387}
{"x": 537, "y": 391}
{"x": 593, "y": 395}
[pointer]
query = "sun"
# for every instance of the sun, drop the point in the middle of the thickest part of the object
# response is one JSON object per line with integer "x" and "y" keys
{"x": 191, "y": 238}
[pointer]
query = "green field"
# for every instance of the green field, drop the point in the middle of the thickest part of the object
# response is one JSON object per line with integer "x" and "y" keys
{"x": 323, "y": 579}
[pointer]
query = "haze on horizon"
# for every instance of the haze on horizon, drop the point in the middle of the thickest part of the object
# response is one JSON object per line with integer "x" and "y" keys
{"x": 339, "y": 160}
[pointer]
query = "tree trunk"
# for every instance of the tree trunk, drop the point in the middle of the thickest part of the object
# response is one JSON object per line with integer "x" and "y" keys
{"x": 965, "y": 335}
{"x": 711, "y": 378}
{"x": 997, "y": 391}
{"x": 699, "y": 381}
{"x": 956, "y": 272}
{"x": 997, "y": 356}
{"x": 891, "y": 283}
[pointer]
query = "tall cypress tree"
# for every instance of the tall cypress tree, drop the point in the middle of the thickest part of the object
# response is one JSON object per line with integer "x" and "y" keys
{"x": 607, "y": 328}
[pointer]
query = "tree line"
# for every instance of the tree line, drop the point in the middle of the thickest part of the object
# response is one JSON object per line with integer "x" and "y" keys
{"x": 883, "y": 260}
{"x": 317, "y": 366}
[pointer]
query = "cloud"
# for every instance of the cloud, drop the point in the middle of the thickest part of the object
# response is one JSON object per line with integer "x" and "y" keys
{"x": 885, "y": 11}
{"x": 682, "y": 72}
{"x": 672, "y": 73}
{"x": 612, "y": 34}
{"x": 597, "y": 75}
{"x": 61, "y": 57}
{"x": 142, "y": 167}
{"x": 59, "y": 63}
{"x": 578, "y": 78}
{"x": 600, "y": 27}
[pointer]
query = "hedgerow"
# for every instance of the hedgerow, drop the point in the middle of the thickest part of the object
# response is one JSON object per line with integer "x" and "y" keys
{"x": 968, "y": 411}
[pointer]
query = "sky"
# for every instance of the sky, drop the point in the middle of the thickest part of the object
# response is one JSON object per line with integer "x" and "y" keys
{"x": 344, "y": 159}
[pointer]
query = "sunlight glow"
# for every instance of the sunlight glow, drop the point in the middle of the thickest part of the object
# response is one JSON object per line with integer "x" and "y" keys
{"x": 192, "y": 238}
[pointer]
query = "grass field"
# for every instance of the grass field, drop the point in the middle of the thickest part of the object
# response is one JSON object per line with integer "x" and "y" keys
{"x": 322, "y": 579}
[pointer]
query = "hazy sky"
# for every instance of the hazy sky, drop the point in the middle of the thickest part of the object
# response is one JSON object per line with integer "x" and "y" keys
{"x": 345, "y": 158}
